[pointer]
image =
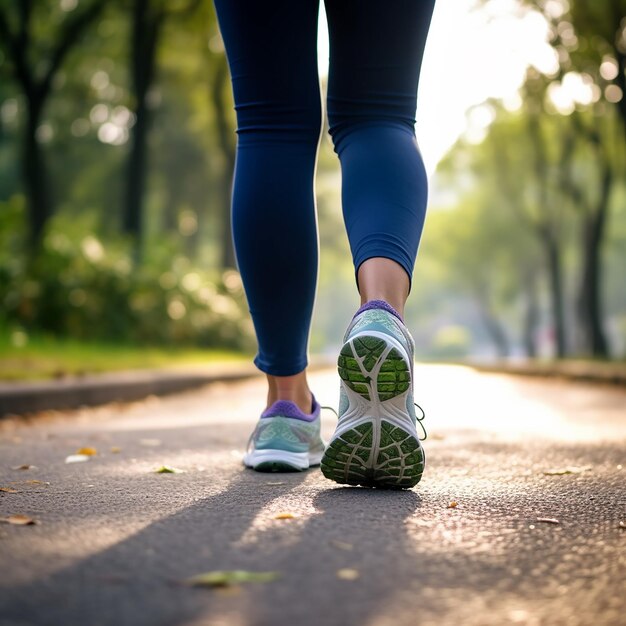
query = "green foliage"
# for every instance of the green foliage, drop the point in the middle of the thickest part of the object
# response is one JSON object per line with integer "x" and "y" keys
{"x": 83, "y": 287}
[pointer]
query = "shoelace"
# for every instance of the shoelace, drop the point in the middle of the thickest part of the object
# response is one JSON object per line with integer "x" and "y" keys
{"x": 330, "y": 408}
{"x": 419, "y": 419}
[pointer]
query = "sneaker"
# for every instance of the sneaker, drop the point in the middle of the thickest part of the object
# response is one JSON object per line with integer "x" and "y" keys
{"x": 375, "y": 443}
{"x": 285, "y": 439}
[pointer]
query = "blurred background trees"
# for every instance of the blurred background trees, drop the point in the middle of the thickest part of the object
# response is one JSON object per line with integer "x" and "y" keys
{"x": 117, "y": 148}
{"x": 553, "y": 169}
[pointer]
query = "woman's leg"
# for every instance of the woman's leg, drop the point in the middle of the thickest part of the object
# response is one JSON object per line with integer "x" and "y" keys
{"x": 272, "y": 53}
{"x": 375, "y": 57}
{"x": 376, "y": 51}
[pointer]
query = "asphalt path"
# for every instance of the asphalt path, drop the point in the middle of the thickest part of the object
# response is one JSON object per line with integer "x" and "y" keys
{"x": 115, "y": 541}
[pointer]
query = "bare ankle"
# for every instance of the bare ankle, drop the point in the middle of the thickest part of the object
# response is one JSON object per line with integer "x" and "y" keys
{"x": 383, "y": 279}
{"x": 293, "y": 388}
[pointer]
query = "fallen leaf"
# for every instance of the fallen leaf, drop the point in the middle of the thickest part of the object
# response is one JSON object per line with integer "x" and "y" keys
{"x": 37, "y": 482}
{"x": 166, "y": 469}
{"x": 77, "y": 458}
{"x": 341, "y": 545}
{"x": 347, "y": 573}
{"x": 19, "y": 520}
{"x": 115, "y": 450}
{"x": 285, "y": 515}
{"x": 452, "y": 505}
{"x": 150, "y": 442}
{"x": 24, "y": 467}
{"x": 8, "y": 490}
{"x": 548, "y": 520}
{"x": 87, "y": 451}
{"x": 571, "y": 469}
{"x": 225, "y": 578}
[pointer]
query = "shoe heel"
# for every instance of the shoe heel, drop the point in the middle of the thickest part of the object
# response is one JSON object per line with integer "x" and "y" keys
{"x": 377, "y": 452}
{"x": 399, "y": 463}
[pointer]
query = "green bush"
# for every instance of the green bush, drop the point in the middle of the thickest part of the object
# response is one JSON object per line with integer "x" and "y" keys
{"x": 82, "y": 287}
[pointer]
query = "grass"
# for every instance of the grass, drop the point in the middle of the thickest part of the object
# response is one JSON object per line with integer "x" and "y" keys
{"x": 47, "y": 357}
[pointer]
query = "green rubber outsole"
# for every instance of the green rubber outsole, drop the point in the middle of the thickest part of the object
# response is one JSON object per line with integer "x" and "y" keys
{"x": 394, "y": 376}
{"x": 399, "y": 463}
{"x": 349, "y": 459}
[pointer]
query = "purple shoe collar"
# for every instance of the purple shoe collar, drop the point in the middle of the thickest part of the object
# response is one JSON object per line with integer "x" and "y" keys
{"x": 286, "y": 408}
{"x": 378, "y": 304}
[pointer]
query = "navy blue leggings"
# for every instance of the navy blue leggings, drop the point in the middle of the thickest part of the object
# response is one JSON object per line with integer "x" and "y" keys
{"x": 376, "y": 49}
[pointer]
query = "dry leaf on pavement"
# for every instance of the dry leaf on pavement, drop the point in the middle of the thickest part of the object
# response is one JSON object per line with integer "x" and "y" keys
{"x": 19, "y": 520}
{"x": 347, "y": 573}
{"x": 285, "y": 515}
{"x": 87, "y": 451}
{"x": 225, "y": 578}
{"x": 570, "y": 469}
{"x": 24, "y": 467}
{"x": 77, "y": 458}
{"x": 452, "y": 505}
{"x": 8, "y": 490}
{"x": 166, "y": 469}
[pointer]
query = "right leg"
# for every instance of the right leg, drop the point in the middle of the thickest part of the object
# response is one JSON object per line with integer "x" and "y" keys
{"x": 375, "y": 57}
{"x": 272, "y": 52}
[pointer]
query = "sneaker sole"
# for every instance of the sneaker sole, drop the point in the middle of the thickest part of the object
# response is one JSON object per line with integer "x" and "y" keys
{"x": 280, "y": 461}
{"x": 379, "y": 451}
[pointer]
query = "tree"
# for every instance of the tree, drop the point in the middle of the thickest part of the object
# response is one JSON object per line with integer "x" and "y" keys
{"x": 26, "y": 55}
{"x": 590, "y": 41}
{"x": 483, "y": 256}
{"x": 147, "y": 19}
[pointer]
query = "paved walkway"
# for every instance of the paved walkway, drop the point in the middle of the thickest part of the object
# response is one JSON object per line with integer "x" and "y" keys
{"x": 115, "y": 539}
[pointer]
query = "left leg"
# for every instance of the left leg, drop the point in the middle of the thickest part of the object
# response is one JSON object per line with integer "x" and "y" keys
{"x": 272, "y": 53}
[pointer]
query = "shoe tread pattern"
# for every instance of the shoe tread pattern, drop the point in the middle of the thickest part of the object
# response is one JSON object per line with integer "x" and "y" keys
{"x": 399, "y": 462}
{"x": 358, "y": 359}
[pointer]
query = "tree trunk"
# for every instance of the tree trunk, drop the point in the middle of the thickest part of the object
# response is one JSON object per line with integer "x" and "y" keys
{"x": 496, "y": 332}
{"x": 494, "y": 329}
{"x": 531, "y": 314}
{"x": 555, "y": 282}
{"x": 145, "y": 31}
{"x": 38, "y": 201}
{"x": 136, "y": 177}
{"x": 547, "y": 231}
{"x": 590, "y": 293}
